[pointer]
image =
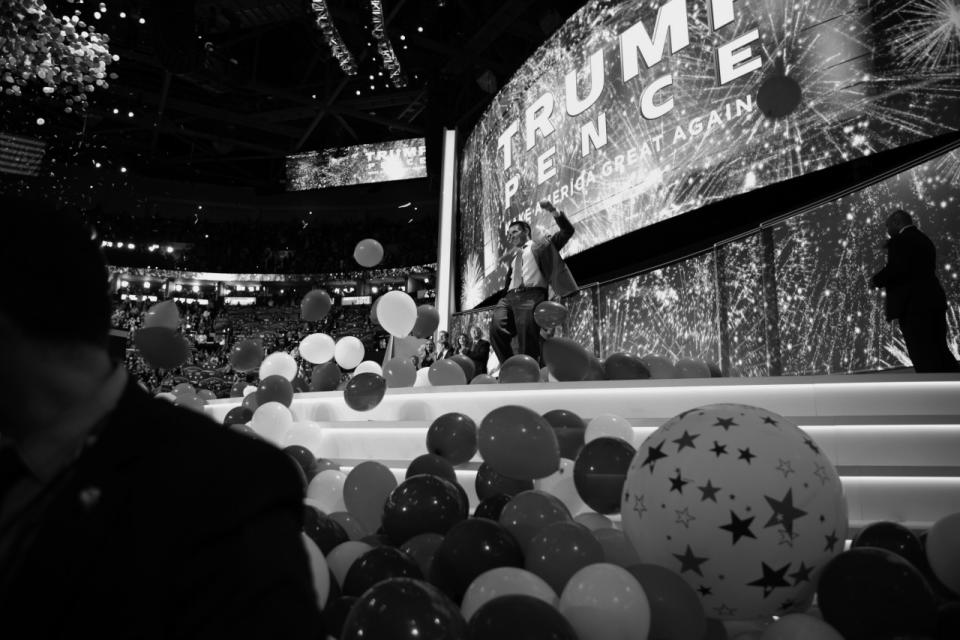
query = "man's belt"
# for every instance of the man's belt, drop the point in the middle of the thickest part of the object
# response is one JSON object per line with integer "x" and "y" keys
{"x": 522, "y": 289}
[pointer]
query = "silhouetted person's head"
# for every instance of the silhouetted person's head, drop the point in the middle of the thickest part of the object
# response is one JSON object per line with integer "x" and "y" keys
{"x": 896, "y": 221}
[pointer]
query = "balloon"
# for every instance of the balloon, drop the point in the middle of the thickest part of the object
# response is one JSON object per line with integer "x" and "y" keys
{"x": 795, "y": 626}
{"x": 659, "y": 367}
{"x": 600, "y": 471}
{"x": 271, "y": 421}
{"x": 379, "y": 564}
{"x": 250, "y": 402}
{"x": 404, "y": 609}
{"x": 163, "y": 314}
{"x": 275, "y": 389}
{"x": 422, "y": 548}
{"x": 868, "y": 593}
{"x": 317, "y": 348}
{"x": 505, "y": 581}
{"x": 465, "y": 363}
{"x": 373, "y": 313}
{"x": 621, "y": 366}
{"x": 364, "y": 391}
{"x": 236, "y": 389}
{"x": 351, "y": 525}
{"x": 559, "y": 550}
{"x": 483, "y": 378}
{"x": 520, "y": 368}
{"x": 315, "y": 305}
{"x": 325, "y": 532}
{"x": 675, "y": 609}
{"x": 489, "y": 483}
{"x": 335, "y": 614}
{"x": 342, "y": 557}
{"x": 427, "y": 321}
{"x": 327, "y": 489}
{"x": 549, "y": 314}
{"x": 569, "y": 429}
{"x": 609, "y": 425}
{"x": 446, "y": 372}
{"x": 250, "y": 389}
{"x": 740, "y": 492}
{"x": 397, "y": 313}
{"x": 688, "y": 368}
{"x": 594, "y": 521}
{"x": 238, "y": 415}
{"x": 529, "y": 512}
{"x": 318, "y": 570}
{"x": 377, "y": 540}
{"x": 368, "y": 253}
{"x": 603, "y": 601}
{"x": 278, "y": 364}
{"x": 566, "y": 360}
{"x": 348, "y": 352}
{"x": 595, "y": 369}
{"x": 491, "y": 508}
{"x": 892, "y": 537}
{"x": 470, "y": 548}
{"x": 399, "y": 373}
{"x": 161, "y": 348}
{"x": 943, "y": 553}
{"x": 206, "y": 394}
{"x": 421, "y": 504}
{"x": 192, "y": 402}
{"x": 246, "y": 355}
{"x": 368, "y": 366}
{"x": 560, "y": 484}
{"x": 184, "y": 388}
{"x": 454, "y": 437}
{"x": 325, "y": 377}
{"x": 519, "y": 616}
{"x": 304, "y": 459}
{"x": 365, "y": 491}
{"x": 434, "y": 465}
{"x": 518, "y": 443}
{"x": 323, "y": 464}
{"x": 617, "y": 548}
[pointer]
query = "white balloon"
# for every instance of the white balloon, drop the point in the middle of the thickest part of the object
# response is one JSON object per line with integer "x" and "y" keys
{"x": 312, "y": 436}
{"x": 247, "y": 390}
{"x": 278, "y": 363}
{"x": 342, "y": 557}
{"x": 349, "y": 352}
{"x": 560, "y": 484}
{"x": 271, "y": 421}
{"x": 368, "y": 366}
{"x": 317, "y": 348}
{"x": 397, "y": 313}
{"x": 423, "y": 378}
{"x": 318, "y": 570}
{"x": 608, "y": 425}
{"x": 327, "y": 489}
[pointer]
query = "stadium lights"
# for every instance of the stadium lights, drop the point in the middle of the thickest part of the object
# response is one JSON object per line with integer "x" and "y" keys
{"x": 131, "y": 246}
{"x": 146, "y": 285}
{"x": 169, "y": 249}
{"x": 196, "y": 288}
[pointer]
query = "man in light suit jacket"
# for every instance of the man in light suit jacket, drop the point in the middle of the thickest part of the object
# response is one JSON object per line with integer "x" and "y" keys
{"x": 915, "y": 298}
{"x": 534, "y": 267}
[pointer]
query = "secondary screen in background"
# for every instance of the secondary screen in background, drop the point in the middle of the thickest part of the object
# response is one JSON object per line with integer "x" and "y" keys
{"x": 848, "y": 79}
{"x": 361, "y": 164}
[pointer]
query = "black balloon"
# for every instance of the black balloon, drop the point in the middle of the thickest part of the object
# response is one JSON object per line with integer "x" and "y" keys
{"x": 600, "y": 471}
{"x": 364, "y": 391}
{"x": 868, "y": 593}
{"x": 491, "y": 507}
{"x": 336, "y": 612}
{"x": 379, "y": 564}
{"x": 404, "y": 609}
{"x": 238, "y": 415}
{"x": 305, "y": 459}
{"x": 489, "y": 483}
{"x": 469, "y": 549}
{"x": 519, "y": 616}
{"x": 464, "y": 500}
{"x": 432, "y": 464}
{"x": 570, "y": 430}
{"x": 892, "y": 537}
{"x": 325, "y": 377}
{"x": 622, "y": 366}
{"x": 453, "y": 436}
{"x": 421, "y": 504}
{"x": 322, "y": 529}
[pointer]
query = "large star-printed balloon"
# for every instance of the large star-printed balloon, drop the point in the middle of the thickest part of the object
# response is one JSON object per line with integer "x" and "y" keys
{"x": 741, "y": 503}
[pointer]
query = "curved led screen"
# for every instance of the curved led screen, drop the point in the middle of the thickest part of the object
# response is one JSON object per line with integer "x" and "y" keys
{"x": 635, "y": 112}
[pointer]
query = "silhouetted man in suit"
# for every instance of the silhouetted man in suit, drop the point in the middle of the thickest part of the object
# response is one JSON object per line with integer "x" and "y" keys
{"x": 535, "y": 266}
{"x": 915, "y": 300}
{"x": 121, "y": 515}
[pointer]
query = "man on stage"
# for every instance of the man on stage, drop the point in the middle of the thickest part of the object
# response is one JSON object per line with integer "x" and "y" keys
{"x": 535, "y": 266}
{"x": 915, "y": 298}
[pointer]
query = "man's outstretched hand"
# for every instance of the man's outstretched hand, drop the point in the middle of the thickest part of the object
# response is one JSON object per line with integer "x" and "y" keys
{"x": 547, "y": 206}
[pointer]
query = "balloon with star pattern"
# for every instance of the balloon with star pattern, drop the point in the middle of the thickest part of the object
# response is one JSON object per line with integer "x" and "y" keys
{"x": 741, "y": 503}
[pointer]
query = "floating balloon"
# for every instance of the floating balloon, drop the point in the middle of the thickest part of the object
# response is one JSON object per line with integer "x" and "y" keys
{"x": 434, "y": 465}
{"x": 549, "y": 314}
{"x": 317, "y": 348}
{"x": 518, "y": 443}
{"x": 325, "y": 377}
{"x": 520, "y": 368}
{"x": 161, "y": 348}
{"x": 422, "y": 548}
{"x": 609, "y": 425}
{"x": 489, "y": 483}
{"x": 659, "y": 367}
{"x": 342, "y": 557}
{"x": 566, "y": 360}
{"x": 404, "y": 609}
{"x": 622, "y": 366}
{"x": 163, "y": 314}
{"x": 365, "y": 491}
{"x": 505, "y": 581}
{"x": 368, "y": 366}
{"x": 892, "y": 537}
{"x": 246, "y": 355}
{"x": 368, "y": 253}
{"x": 446, "y": 372}
{"x": 250, "y": 402}
{"x": 604, "y": 602}
{"x": 559, "y": 550}
{"x": 427, "y": 321}
{"x": 318, "y": 570}
{"x": 278, "y": 364}
{"x": 675, "y": 609}
{"x": 421, "y": 504}
{"x": 271, "y": 421}
{"x": 465, "y": 363}
{"x": 325, "y": 532}
{"x": 688, "y": 368}
{"x": 348, "y": 352}
{"x": 315, "y": 305}
{"x": 326, "y": 489}
{"x": 373, "y": 313}
{"x": 399, "y": 373}
{"x": 397, "y": 313}
{"x": 600, "y": 471}
{"x": 275, "y": 389}
{"x": 470, "y": 548}
{"x": 379, "y": 564}
{"x": 364, "y": 391}
{"x": 529, "y": 512}
{"x": 454, "y": 437}
{"x": 943, "y": 553}
{"x": 570, "y": 431}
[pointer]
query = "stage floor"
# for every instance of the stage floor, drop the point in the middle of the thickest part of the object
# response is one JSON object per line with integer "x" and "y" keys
{"x": 894, "y": 438}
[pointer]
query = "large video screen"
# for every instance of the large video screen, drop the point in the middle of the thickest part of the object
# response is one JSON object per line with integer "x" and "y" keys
{"x": 635, "y": 112}
{"x": 361, "y": 164}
